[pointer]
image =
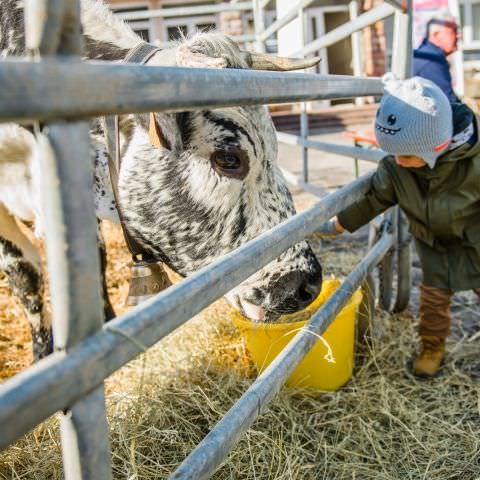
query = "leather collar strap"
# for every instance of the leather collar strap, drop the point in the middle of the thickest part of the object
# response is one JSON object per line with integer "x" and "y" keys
{"x": 139, "y": 54}
{"x": 155, "y": 134}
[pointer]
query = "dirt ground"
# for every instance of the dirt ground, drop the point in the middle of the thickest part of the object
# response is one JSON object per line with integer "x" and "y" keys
{"x": 15, "y": 338}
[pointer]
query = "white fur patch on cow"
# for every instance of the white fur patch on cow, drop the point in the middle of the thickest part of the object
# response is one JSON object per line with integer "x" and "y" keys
{"x": 100, "y": 23}
{"x": 17, "y": 147}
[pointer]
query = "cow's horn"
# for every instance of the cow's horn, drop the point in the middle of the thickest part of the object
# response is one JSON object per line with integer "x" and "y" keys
{"x": 265, "y": 61}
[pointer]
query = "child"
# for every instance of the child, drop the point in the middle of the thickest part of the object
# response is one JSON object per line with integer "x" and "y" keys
{"x": 434, "y": 175}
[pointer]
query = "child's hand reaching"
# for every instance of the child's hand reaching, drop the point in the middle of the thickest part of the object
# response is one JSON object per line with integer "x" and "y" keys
{"x": 330, "y": 228}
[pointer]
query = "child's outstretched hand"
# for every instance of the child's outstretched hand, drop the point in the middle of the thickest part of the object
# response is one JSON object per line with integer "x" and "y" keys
{"x": 330, "y": 228}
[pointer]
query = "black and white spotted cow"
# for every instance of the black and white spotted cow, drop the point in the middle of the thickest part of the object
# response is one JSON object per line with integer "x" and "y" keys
{"x": 211, "y": 187}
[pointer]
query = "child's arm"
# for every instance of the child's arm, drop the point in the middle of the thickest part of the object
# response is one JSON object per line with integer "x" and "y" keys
{"x": 379, "y": 198}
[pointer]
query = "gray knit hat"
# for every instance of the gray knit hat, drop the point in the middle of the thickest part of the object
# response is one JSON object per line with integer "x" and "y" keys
{"x": 414, "y": 118}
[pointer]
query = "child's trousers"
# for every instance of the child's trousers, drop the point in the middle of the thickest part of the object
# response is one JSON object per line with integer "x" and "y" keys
{"x": 435, "y": 316}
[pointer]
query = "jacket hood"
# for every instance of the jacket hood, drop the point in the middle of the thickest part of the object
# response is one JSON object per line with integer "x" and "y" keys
{"x": 462, "y": 118}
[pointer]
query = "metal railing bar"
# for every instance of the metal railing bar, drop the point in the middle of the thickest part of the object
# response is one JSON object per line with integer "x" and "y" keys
{"x": 296, "y": 181}
{"x": 398, "y": 4}
{"x": 58, "y": 380}
{"x": 367, "y": 154}
{"x": 326, "y": 9}
{"x": 212, "y": 450}
{"x": 334, "y": 8}
{"x": 376, "y": 14}
{"x": 287, "y": 18}
{"x": 184, "y": 11}
{"x": 64, "y": 89}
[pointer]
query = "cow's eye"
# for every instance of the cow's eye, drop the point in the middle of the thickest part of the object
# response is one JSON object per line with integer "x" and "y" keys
{"x": 232, "y": 162}
{"x": 227, "y": 160}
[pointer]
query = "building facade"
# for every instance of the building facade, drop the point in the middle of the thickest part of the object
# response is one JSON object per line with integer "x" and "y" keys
{"x": 321, "y": 17}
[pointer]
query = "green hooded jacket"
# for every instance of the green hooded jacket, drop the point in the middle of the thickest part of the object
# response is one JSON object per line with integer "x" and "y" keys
{"x": 442, "y": 205}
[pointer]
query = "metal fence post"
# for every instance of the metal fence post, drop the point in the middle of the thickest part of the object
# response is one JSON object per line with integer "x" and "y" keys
{"x": 71, "y": 242}
{"x": 76, "y": 296}
{"x": 401, "y": 66}
{"x": 259, "y": 25}
{"x": 304, "y": 105}
{"x": 356, "y": 48}
{"x": 304, "y": 136}
{"x": 402, "y": 43}
{"x": 356, "y": 63}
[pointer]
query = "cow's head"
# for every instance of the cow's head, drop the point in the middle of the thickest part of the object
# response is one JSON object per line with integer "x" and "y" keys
{"x": 210, "y": 183}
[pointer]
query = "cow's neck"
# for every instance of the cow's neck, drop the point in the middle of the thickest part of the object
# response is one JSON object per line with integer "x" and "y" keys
{"x": 98, "y": 50}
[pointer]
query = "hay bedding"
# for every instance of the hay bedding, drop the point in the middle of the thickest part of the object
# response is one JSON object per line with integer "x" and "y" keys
{"x": 383, "y": 425}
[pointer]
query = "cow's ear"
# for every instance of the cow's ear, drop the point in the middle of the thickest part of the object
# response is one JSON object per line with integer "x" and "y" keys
{"x": 155, "y": 133}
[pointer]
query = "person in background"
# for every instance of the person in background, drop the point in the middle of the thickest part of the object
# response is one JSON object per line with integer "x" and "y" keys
{"x": 433, "y": 174}
{"x": 430, "y": 58}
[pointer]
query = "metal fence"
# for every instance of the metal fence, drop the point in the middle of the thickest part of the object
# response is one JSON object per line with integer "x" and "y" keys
{"x": 401, "y": 47}
{"x": 57, "y": 92}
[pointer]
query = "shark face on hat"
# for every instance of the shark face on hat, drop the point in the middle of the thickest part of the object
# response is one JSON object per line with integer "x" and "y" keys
{"x": 414, "y": 118}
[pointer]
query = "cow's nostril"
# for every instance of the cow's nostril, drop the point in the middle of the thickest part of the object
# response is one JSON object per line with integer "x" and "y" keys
{"x": 307, "y": 293}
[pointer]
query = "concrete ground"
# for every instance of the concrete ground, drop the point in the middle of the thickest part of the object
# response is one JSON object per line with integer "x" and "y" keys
{"x": 326, "y": 170}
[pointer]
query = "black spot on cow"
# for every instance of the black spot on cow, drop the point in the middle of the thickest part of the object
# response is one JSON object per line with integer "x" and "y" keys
{"x": 8, "y": 248}
{"x": 230, "y": 126}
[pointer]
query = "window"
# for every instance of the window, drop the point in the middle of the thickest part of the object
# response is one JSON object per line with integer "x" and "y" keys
{"x": 470, "y": 19}
{"x": 143, "y": 34}
{"x": 269, "y": 16}
{"x": 140, "y": 27}
{"x": 176, "y": 32}
{"x": 205, "y": 27}
{"x": 175, "y": 28}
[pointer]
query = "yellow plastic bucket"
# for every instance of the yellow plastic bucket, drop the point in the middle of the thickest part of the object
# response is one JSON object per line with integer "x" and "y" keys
{"x": 266, "y": 340}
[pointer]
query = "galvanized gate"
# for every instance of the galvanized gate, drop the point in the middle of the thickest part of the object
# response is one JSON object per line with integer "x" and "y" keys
{"x": 53, "y": 87}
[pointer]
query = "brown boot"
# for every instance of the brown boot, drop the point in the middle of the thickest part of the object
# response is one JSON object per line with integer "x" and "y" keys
{"x": 428, "y": 363}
